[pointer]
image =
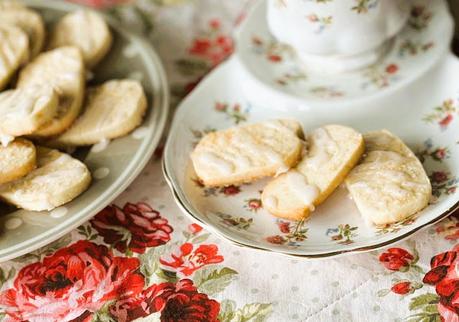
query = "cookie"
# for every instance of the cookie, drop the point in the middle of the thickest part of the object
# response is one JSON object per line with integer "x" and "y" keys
{"x": 333, "y": 150}
{"x": 23, "y": 111}
{"x": 246, "y": 153}
{"x": 14, "y": 50}
{"x": 63, "y": 69}
{"x": 86, "y": 30}
{"x": 29, "y": 21}
{"x": 390, "y": 184}
{"x": 112, "y": 110}
{"x": 58, "y": 179}
{"x": 16, "y": 160}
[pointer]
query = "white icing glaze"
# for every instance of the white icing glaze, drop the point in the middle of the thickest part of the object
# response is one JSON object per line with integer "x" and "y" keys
{"x": 140, "y": 133}
{"x": 58, "y": 212}
{"x": 324, "y": 148}
{"x": 101, "y": 173}
{"x": 212, "y": 160}
{"x": 270, "y": 202}
{"x": 244, "y": 141}
{"x": 302, "y": 189}
{"x": 101, "y": 146}
{"x": 18, "y": 103}
{"x": 6, "y": 139}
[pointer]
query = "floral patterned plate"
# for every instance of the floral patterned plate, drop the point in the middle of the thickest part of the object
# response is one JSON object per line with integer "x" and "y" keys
{"x": 272, "y": 68}
{"x": 424, "y": 115}
{"x": 113, "y": 165}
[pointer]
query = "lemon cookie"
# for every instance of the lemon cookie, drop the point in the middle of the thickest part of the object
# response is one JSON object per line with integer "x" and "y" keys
{"x": 58, "y": 179}
{"x": 333, "y": 150}
{"x": 63, "y": 69}
{"x": 25, "y": 110}
{"x": 28, "y": 21}
{"x": 390, "y": 183}
{"x": 16, "y": 160}
{"x": 86, "y": 30}
{"x": 246, "y": 153}
{"x": 112, "y": 109}
{"x": 14, "y": 49}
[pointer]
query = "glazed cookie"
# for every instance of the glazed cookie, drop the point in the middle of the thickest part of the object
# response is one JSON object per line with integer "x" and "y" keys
{"x": 28, "y": 21}
{"x": 246, "y": 153}
{"x": 112, "y": 109}
{"x": 62, "y": 69}
{"x": 14, "y": 50}
{"x": 390, "y": 183}
{"x": 23, "y": 111}
{"x": 58, "y": 179}
{"x": 86, "y": 30}
{"x": 333, "y": 150}
{"x": 16, "y": 160}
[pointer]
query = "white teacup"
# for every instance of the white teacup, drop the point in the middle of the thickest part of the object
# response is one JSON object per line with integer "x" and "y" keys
{"x": 337, "y": 35}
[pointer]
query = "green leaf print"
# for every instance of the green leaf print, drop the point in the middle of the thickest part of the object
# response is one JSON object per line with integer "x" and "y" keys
{"x": 424, "y": 299}
{"x": 227, "y": 310}
{"x": 199, "y": 239}
{"x": 150, "y": 263}
{"x": 255, "y": 312}
{"x": 212, "y": 280}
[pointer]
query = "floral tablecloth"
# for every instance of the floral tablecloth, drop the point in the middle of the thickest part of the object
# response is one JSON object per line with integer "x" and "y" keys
{"x": 141, "y": 258}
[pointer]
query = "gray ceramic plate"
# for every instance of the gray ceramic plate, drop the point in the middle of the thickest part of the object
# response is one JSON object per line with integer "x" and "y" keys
{"x": 114, "y": 166}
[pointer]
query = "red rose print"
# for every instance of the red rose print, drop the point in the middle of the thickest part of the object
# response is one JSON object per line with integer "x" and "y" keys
{"x": 391, "y": 69}
{"x": 440, "y": 154}
{"x": 230, "y": 190}
{"x": 221, "y": 107}
{"x": 401, "y": 288}
{"x": 275, "y": 58}
{"x": 145, "y": 303}
{"x": 439, "y": 176}
{"x": 445, "y": 277}
{"x": 187, "y": 259}
{"x": 67, "y": 285}
{"x": 253, "y": 204}
{"x": 186, "y": 304}
{"x": 194, "y": 228}
{"x": 135, "y": 227}
{"x": 277, "y": 240}
{"x": 284, "y": 226}
{"x": 396, "y": 259}
{"x": 176, "y": 302}
{"x": 214, "y": 48}
{"x": 215, "y": 24}
{"x": 313, "y": 18}
{"x": 451, "y": 190}
{"x": 445, "y": 121}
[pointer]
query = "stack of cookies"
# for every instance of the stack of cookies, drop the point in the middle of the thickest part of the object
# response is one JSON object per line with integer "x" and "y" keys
{"x": 44, "y": 104}
{"x": 384, "y": 178}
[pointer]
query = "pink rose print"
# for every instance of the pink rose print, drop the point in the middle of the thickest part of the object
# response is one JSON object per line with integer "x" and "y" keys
{"x": 134, "y": 228}
{"x": 187, "y": 259}
{"x": 444, "y": 276}
{"x": 71, "y": 284}
{"x": 194, "y": 228}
